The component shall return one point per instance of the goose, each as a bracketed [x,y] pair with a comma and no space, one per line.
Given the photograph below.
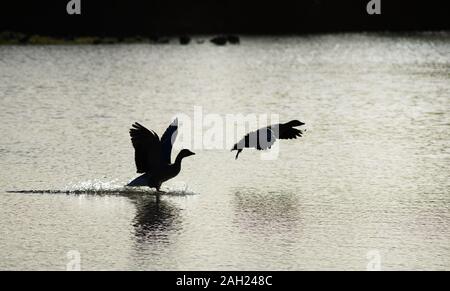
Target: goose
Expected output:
[264,138]
[152,155]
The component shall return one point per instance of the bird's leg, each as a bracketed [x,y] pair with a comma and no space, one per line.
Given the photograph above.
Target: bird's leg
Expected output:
[158,189]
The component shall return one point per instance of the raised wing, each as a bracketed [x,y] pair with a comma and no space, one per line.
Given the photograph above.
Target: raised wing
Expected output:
[167,140]
[147,149]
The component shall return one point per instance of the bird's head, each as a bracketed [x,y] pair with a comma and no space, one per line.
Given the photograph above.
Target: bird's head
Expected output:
[294,123]
[185,153]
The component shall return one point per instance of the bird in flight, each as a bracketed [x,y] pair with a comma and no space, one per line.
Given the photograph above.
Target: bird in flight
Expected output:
[264,138]
[152,155]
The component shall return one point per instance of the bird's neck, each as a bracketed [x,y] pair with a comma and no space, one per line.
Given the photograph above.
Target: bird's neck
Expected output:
[178,160]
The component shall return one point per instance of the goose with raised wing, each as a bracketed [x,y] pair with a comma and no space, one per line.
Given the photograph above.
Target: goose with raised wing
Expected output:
[152,155]
[264,138]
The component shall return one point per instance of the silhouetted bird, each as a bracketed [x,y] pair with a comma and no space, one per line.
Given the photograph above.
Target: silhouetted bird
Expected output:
[264,138]
[152,155]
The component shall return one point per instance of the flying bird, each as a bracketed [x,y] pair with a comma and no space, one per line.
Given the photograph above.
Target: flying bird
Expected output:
[152,155]
[264,138]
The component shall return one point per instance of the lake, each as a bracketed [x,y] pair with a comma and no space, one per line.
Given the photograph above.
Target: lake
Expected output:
[369,180]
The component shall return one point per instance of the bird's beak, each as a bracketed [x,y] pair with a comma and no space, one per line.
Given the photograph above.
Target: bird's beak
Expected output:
[192,154]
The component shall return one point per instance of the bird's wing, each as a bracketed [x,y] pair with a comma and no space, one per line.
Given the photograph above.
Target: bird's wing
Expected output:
[147,149]
[289,132]
[260,139]
[167,140]
[266,138]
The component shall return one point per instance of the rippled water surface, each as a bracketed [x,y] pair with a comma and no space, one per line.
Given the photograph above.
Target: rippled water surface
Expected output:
[370,176]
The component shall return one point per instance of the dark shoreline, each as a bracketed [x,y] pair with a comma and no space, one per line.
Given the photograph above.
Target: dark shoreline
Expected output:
[17,38]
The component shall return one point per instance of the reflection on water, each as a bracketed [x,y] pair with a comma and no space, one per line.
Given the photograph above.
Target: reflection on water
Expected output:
[155,217]
[268,212]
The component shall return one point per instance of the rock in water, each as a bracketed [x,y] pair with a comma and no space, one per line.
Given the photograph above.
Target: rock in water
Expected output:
[233,39]
[184,40]
[219,40]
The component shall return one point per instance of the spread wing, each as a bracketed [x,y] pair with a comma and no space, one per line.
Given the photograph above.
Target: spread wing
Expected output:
[147,149]
[167,140]
[284,131]
[290,133]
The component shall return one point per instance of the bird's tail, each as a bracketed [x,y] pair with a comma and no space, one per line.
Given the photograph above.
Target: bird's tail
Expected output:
[142,180]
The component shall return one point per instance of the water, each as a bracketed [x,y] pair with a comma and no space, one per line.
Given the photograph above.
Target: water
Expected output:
[370,175]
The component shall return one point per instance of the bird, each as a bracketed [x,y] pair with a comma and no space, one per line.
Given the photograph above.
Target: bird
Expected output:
[264,138]
[152,155]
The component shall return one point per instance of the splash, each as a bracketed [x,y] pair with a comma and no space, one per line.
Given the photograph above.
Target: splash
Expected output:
[180,188]
[114,187]
[95,186]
